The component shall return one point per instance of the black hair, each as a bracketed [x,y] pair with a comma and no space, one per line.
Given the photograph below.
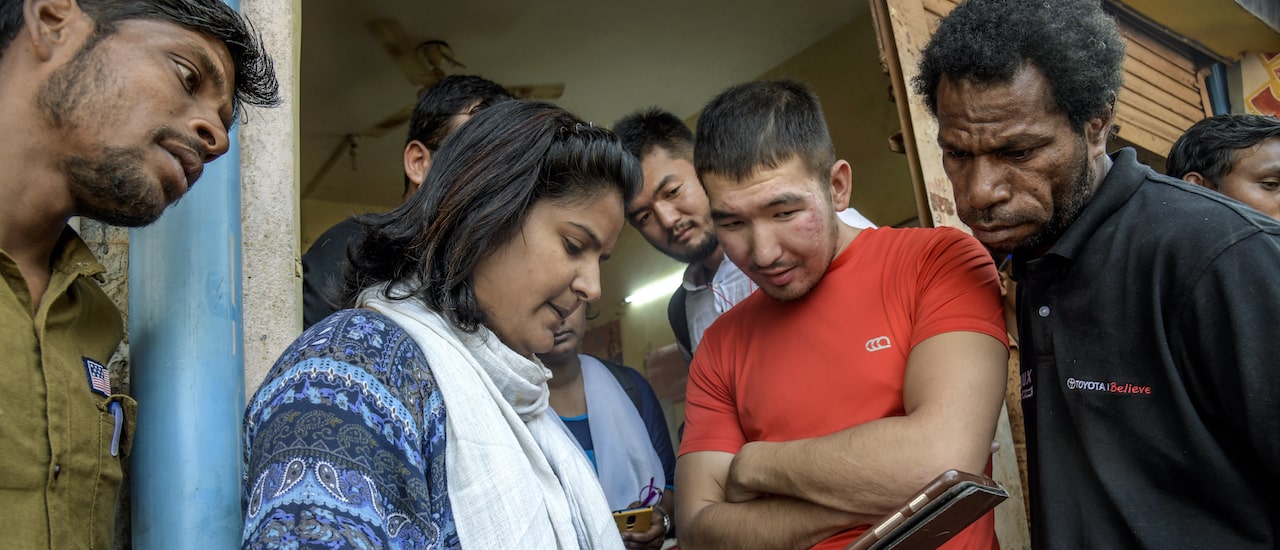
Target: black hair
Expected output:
[255,76]
[1073,43]
[642,131]
[437,105]
[763,124]
[485,178]
[11,19]
[452,95]
[1209,146]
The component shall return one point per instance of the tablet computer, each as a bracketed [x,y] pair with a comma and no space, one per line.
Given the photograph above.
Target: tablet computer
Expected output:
[938,512]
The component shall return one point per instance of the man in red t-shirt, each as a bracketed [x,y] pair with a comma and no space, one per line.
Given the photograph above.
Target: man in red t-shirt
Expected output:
[872,361]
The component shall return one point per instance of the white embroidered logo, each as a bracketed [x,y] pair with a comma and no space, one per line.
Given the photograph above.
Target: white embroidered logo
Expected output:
[877,344]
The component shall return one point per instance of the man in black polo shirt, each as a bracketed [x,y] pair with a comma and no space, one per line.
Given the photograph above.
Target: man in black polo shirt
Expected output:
[1147,307]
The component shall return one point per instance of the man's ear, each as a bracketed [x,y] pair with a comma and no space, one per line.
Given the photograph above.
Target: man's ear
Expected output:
[417,160]
[50,25]
[841,180]
[1199,179]
[1097,130]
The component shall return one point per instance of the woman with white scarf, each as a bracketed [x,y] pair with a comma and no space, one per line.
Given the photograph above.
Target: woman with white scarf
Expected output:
[420,418]
[622,431]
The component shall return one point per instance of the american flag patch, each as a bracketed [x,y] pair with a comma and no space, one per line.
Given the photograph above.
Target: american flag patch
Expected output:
[99,377]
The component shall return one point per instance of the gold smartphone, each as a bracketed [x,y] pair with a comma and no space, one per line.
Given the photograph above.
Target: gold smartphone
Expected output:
[633,520]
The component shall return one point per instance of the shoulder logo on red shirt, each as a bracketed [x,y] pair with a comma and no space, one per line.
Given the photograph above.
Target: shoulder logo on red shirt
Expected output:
[878,343]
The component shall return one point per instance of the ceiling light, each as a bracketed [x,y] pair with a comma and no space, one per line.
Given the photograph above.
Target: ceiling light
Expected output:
[661,288]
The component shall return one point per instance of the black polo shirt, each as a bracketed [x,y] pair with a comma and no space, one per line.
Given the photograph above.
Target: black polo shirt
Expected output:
[1150,337]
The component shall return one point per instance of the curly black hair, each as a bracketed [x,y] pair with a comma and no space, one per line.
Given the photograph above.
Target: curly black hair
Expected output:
[1209,146]
[1073,43]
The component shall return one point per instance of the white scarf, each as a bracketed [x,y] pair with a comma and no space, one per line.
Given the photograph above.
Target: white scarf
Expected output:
[516,477]
[624,452]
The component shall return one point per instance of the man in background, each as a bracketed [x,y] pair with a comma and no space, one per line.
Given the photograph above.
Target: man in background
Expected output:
[109,110]
[1146,306]
[616,418]
[1236,155]
[672,213]
[440,110]
[871,362]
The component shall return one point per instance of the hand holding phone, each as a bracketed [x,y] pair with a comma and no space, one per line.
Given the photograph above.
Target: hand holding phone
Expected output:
[633,520]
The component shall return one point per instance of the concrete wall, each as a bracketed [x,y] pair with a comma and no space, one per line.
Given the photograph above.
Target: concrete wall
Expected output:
[644,326]
[272,274]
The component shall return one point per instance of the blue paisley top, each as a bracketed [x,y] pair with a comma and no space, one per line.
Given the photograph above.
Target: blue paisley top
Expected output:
[345,443]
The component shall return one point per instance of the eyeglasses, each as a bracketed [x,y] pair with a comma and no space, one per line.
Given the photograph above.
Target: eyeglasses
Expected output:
[650,495]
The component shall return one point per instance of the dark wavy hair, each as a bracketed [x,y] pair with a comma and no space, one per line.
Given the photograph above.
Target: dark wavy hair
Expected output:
[483,181]
[763,124]
[1073,43]
[645,129]
[452,95]
[1209,146]
[255,74]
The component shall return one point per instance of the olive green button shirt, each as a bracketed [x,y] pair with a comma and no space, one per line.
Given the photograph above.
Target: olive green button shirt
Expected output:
[59,482]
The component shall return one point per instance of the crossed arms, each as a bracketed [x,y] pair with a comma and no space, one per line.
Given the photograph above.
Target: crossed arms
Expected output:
[796,493]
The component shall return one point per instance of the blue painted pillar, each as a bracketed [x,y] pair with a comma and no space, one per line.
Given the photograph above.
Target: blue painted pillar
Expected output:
[1219,97]
[187,360]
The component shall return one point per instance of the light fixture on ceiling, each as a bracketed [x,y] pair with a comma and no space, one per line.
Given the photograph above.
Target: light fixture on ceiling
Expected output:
[661,288]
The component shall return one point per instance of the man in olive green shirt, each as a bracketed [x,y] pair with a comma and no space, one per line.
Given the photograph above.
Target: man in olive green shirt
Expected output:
[60,475]
[109,110]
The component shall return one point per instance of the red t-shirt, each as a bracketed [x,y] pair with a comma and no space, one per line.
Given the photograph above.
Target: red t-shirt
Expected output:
[836,357]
